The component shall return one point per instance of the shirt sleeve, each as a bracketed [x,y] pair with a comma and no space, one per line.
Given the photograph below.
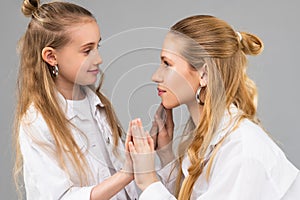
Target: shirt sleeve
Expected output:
[294,191]
[244,178]
[156,191]
[43,177]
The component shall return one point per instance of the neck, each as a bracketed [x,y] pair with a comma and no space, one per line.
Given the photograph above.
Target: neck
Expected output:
[195,111]
[70,92]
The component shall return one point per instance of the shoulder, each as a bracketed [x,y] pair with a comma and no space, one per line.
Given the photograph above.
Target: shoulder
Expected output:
[34,127]
[250,147]
[256,143]
[250,141]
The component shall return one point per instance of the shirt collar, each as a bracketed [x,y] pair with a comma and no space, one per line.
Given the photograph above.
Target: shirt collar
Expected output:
[70,111]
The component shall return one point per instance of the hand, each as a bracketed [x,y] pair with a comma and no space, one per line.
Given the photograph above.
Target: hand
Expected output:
[128,166]
[162,133]
[162,128]
[142,153]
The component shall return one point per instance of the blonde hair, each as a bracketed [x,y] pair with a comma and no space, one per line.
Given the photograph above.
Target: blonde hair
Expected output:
[49,26]
[211,41]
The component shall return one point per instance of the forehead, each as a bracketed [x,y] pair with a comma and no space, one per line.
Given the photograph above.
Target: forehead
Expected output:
[86,32]
[172,47]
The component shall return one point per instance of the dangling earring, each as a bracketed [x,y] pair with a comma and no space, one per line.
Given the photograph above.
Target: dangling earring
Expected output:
[55,71]
[198,96]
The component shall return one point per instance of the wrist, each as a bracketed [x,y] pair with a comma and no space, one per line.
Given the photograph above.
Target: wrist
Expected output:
[151,178]
[126,175]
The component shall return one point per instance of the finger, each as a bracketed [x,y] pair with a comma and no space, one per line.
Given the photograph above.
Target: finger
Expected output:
[136,136]
[153,132]
[150,142]
[169,115]
[159,110]
[140,132]
[132,149]
[143,135]
[169,122]
[128,137]
[139,122]
[154,128]
[140,138]
[161,126]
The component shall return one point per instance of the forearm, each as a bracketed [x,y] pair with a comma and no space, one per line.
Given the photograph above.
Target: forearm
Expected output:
[111,186]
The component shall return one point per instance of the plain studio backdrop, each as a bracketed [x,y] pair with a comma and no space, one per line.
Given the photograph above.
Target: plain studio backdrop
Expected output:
[132,34]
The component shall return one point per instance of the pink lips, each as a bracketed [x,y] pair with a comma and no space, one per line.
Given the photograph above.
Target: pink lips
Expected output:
[95,71]
[160,91]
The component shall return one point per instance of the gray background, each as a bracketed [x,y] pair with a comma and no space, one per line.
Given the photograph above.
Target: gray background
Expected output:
[131,54]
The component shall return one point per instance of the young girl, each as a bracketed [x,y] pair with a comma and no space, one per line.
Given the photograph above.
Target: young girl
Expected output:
[228,154]
[67,134]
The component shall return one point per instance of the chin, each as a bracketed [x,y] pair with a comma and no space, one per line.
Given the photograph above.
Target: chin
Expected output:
[169,105]
[91,82]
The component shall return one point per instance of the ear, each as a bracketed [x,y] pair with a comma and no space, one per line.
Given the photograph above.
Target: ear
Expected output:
[49,56]
[203,75]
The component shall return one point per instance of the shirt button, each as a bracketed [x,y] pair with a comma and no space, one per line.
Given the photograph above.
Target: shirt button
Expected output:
[108,141]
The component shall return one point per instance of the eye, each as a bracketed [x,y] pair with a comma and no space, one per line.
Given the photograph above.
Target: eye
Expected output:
[98,46]
[166,63]
[87,51]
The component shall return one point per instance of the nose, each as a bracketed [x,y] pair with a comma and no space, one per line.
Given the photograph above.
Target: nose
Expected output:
[157,75]
[98,59]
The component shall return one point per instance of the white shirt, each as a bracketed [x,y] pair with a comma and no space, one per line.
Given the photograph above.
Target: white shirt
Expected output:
[86,123]
[248,166]
[44,178]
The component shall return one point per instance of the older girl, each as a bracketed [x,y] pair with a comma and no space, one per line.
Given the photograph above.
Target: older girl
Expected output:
[227,154]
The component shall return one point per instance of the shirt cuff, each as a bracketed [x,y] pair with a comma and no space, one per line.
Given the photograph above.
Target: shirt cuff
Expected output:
[156,191]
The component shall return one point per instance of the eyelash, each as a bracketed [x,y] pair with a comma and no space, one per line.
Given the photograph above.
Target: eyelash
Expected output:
[166,63]
[89,50]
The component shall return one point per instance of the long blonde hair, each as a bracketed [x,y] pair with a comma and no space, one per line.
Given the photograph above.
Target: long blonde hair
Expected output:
[213,42]
[49,26]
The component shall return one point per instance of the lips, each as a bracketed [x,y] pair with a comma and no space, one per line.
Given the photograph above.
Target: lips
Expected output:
[94,71]
[160,91]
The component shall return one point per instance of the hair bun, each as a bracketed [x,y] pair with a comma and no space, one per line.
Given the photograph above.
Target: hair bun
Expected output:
[251,44]
[29,6]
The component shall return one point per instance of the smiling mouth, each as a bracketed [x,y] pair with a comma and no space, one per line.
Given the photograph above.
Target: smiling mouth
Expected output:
[95,71]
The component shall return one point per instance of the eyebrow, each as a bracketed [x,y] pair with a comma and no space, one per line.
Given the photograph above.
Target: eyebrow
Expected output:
[90,43]
[165,58]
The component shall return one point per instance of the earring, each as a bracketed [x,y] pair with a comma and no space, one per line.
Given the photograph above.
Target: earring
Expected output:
[55,71]
[198,96]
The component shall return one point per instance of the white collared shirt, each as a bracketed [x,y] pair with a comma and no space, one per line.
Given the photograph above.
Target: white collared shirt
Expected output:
[44,178]
[248,166]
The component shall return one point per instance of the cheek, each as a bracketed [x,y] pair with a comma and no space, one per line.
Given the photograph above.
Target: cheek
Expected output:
[70,68]
[180,86]
[170,100]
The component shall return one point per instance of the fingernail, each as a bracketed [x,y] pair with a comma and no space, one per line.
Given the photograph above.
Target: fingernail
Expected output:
[139,122]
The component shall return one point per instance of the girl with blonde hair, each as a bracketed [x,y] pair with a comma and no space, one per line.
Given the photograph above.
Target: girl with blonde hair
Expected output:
[225,153]
[67,136]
